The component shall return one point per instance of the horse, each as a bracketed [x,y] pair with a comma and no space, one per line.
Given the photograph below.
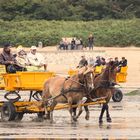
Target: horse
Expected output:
[103,87]
[67,90]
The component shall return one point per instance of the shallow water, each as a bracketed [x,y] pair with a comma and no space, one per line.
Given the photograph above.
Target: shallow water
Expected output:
[125,124]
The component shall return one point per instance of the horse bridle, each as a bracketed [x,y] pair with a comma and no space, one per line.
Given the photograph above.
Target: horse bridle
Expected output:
[85,80]
[106,83]
[83,84]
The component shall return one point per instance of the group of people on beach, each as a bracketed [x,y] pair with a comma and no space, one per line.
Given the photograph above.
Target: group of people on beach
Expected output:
[22,61]
[75,43]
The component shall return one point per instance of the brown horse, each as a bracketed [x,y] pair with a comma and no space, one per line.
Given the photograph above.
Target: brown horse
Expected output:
[67,90]
[104,87]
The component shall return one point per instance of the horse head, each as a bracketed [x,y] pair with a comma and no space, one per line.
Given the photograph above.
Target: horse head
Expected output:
[112,69]
[86,77]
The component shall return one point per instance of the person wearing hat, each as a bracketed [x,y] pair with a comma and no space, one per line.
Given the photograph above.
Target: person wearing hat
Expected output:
[36,59]
[8,59]
[21,58]
[83,62]
[98,61]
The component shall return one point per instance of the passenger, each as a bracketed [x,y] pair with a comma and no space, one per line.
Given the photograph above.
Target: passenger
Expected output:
[98,61]
[91,62]
[36,59]
[103,62]
[109,59]
[83,62]
[8,59]
[123,62]
[22,57]
[116,61]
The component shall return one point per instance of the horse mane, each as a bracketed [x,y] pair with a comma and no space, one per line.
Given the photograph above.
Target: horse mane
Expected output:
[103,79]
[75,76]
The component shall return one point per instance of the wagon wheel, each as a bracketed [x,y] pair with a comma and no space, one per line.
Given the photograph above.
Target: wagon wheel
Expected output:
[19,116]
[8,111]
[117,96]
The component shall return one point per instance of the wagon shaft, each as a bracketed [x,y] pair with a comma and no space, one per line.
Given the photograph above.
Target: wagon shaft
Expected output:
[34,107]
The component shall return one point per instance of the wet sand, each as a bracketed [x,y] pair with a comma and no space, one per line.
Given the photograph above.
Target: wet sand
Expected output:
[125,124]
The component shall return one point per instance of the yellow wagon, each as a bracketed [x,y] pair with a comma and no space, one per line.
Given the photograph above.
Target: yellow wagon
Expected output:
[14,109]
[120,77]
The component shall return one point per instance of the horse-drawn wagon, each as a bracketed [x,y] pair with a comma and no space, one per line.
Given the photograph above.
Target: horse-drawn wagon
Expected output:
[13,108]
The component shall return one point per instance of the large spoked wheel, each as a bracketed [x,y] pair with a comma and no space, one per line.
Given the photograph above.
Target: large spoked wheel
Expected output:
[8,111]
[117,96]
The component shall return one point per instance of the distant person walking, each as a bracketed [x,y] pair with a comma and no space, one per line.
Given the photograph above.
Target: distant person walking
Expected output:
[90,42]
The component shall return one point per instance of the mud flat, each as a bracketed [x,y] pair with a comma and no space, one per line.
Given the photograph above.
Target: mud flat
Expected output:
[125,124]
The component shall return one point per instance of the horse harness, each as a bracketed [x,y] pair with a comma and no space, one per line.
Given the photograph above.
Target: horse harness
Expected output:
[63,93]
[104,84]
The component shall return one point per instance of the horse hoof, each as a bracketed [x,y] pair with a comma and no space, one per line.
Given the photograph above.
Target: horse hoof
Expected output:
[100,121]
[74,119]
[87,117]
[38,119]
[109,120]
[46,118]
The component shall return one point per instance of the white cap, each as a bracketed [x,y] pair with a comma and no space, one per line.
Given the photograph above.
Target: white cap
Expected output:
[19,48]
[33,48]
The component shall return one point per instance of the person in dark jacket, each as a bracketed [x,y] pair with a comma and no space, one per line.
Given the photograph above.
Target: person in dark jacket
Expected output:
[116,61]
[90,42]
[123,62]
[103,61]
[98,61]
[83,62]
[8,59]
